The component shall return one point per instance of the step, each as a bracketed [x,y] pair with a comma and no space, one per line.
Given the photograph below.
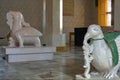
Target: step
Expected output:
[18,54]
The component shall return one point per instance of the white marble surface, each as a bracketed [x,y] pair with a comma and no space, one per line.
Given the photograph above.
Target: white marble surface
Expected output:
[29,53]
[95,77]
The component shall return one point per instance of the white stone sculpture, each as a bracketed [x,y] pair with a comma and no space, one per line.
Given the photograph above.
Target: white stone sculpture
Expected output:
[99,54]
[21,32]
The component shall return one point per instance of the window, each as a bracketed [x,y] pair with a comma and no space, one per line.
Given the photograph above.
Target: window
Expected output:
[105,12]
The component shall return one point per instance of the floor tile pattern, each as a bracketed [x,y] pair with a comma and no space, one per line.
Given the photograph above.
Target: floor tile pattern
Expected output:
[64,66]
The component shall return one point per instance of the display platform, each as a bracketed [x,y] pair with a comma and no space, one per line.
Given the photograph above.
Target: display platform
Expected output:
[28,53]
[94,76]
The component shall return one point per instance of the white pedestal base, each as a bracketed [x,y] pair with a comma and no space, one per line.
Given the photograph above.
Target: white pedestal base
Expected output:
[29,53]
[95,77]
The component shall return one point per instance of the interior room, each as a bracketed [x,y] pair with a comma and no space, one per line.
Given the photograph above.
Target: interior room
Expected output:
[63,24]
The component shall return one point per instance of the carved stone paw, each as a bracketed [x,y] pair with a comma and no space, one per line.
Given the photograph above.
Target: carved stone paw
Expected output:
[87,76]
[110,75]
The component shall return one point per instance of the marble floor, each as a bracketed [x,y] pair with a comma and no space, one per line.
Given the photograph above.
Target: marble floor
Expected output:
[64,66]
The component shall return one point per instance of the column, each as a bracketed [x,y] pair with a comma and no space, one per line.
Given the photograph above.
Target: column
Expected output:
[58,37]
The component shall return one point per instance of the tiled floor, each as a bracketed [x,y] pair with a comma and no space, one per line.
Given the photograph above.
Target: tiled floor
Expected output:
[64,66]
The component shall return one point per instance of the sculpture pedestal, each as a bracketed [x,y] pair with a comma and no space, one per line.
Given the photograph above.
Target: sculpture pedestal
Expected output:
[95,76]
[29,53]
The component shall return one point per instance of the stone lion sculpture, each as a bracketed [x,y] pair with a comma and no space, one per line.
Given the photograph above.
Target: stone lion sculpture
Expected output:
[21,32]
[103,52]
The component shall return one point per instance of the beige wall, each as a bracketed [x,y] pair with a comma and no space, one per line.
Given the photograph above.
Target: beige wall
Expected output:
[117,15]
[85,13]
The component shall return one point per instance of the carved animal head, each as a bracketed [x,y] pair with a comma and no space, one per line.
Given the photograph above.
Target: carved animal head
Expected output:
[94,31]
[13,17]
[9,19]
